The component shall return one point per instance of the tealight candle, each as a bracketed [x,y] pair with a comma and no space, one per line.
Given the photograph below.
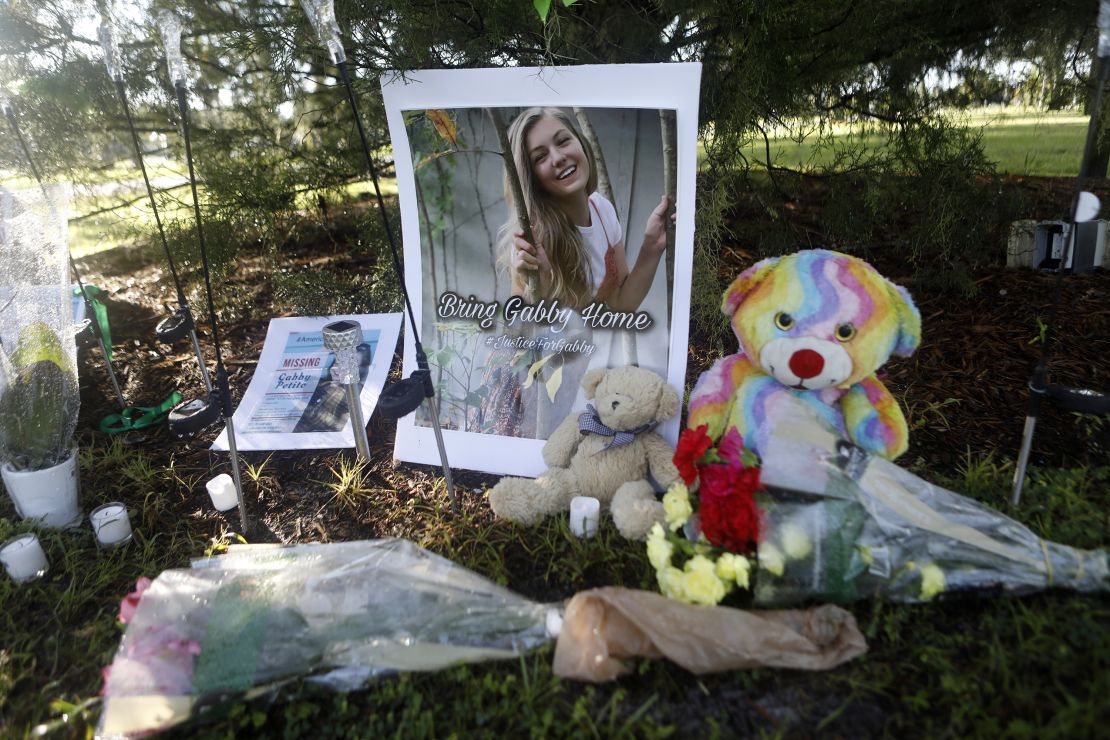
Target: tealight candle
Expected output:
[221,490]
[111,524]
[584,513]
[23,558]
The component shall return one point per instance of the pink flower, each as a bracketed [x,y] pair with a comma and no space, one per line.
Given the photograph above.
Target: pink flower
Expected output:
[153,659]
[731,447]
[130,602]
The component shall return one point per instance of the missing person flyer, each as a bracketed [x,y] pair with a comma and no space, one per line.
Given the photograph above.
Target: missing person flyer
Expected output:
[293,402]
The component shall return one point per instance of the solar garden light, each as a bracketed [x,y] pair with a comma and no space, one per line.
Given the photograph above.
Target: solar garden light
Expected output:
[405,396]
[194,415]
[94,325]
[180,323]
[343,338]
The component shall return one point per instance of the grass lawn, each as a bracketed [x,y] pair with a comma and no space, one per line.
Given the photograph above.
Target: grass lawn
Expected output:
[998,666]
[1019,143]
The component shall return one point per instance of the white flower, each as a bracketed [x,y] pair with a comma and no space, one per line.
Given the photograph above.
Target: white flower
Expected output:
[700,583]
[733,567]
[659,550]
[795,542]
[932,581]
[676,505]
[770,559]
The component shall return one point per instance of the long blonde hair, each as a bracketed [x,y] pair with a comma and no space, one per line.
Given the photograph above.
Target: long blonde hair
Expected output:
[571,278]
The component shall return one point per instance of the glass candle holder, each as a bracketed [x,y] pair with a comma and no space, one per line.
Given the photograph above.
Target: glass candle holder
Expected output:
[111,524]
[23,558]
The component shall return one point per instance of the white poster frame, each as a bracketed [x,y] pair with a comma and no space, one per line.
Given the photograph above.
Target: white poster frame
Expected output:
[633,86]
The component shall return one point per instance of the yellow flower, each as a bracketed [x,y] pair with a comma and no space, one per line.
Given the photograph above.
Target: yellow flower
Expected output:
[659,550]
[676,505]
[700,583]
[732,567]
[865,554]
[770,559]
[932,581]
[671,583]
[795,542]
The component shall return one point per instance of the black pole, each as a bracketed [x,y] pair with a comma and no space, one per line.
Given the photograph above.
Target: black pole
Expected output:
[182,301]
[183,107]
[344,76]
[421,358]
[150,192]
[223,386]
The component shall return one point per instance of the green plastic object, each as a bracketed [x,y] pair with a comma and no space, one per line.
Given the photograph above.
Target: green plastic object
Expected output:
[139,417]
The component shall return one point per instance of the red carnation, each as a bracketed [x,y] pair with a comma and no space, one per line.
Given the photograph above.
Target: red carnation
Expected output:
[692,445]
[726,507]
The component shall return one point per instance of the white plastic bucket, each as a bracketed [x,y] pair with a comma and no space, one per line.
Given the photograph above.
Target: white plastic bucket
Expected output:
[49,495]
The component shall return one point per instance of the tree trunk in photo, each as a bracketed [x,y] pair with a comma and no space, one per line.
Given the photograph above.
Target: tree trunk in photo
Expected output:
[525,226]
[518,191]
[474,121]
[431,262]
[423,202]
[605,187]
[670,187]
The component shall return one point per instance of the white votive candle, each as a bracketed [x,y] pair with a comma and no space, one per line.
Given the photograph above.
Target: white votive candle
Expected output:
[111,524]
[23,558]
[221,490]
[584,512]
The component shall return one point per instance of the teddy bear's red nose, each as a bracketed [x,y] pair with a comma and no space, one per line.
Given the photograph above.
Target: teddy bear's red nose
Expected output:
[806,363]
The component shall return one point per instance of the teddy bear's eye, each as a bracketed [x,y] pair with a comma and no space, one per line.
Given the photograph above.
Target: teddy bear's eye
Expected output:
[845,332]
[784,321]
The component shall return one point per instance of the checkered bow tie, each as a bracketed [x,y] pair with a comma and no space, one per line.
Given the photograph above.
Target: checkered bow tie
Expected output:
[590,423]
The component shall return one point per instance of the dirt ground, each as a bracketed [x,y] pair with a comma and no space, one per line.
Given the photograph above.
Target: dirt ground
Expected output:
[964,391]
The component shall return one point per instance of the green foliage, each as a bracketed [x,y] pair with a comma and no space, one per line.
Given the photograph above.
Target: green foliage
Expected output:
[38,407]
[321,292]
[543,7]
[715,192]
[931,195]
[351,485]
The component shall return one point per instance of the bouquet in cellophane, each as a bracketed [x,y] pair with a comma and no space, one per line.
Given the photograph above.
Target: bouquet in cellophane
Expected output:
[821,520]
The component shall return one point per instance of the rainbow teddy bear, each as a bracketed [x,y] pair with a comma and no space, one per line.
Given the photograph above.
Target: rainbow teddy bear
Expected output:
[813,328]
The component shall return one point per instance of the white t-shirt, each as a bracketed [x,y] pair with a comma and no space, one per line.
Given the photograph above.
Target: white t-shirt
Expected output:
[593,236]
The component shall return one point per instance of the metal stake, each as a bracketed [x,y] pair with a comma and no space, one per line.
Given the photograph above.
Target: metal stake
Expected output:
[222,384]
[421,357]
[181,300]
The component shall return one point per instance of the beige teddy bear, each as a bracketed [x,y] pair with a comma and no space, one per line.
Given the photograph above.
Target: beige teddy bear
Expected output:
[609,453]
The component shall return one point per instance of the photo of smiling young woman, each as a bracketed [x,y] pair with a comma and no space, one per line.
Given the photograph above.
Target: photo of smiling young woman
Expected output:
[578,252]
[509,360]
[578,159]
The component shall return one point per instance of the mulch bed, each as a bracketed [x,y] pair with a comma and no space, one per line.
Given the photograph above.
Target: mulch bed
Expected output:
[965,390]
